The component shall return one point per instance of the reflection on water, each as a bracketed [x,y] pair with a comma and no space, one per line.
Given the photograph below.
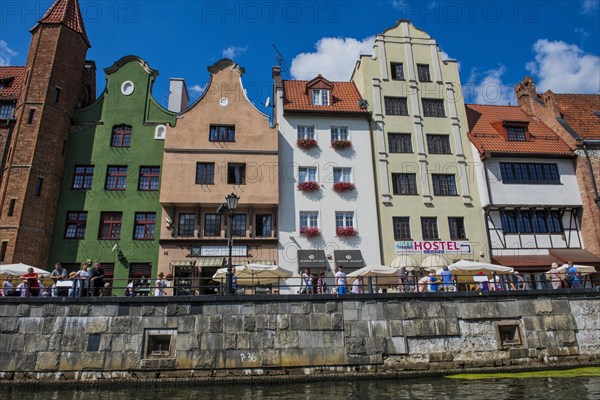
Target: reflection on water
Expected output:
[427,388]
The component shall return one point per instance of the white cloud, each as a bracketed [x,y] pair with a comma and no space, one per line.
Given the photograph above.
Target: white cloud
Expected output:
[334,58]
[564,68]
[6,54]
[197,89]
[233,51]
[589,6]
[489,87]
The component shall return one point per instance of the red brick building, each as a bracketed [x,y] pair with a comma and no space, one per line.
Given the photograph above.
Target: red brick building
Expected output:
[37,103]
[576,119]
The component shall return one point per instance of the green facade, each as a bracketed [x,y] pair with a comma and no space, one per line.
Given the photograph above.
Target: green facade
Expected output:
[90,143]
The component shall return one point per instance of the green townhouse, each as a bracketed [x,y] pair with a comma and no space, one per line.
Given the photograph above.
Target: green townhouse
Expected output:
[428,204]
[108,209]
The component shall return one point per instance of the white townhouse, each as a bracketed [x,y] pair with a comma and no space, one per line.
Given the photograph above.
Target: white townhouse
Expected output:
[327,208]
[528,189]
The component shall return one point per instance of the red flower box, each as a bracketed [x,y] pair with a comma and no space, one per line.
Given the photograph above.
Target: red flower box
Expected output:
[306,144]
[310,231]
[343,187]
[347,231]
[308,186]
[341,144]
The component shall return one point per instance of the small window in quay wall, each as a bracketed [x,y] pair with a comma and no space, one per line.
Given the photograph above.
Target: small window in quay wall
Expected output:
[160,343]
[508,334]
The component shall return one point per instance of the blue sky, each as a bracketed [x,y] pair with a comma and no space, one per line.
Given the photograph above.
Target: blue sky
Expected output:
[496,42]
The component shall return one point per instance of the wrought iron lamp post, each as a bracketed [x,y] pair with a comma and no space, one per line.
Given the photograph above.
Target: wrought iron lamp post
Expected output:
[232,202]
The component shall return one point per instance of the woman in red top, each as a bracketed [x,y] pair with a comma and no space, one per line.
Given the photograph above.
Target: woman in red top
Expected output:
[32,280]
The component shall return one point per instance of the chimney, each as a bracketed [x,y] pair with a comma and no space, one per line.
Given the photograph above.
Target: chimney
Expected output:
[526,94]
[178,95]
[276,74]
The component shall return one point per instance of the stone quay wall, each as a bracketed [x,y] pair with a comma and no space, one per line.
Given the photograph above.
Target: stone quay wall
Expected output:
[270,337]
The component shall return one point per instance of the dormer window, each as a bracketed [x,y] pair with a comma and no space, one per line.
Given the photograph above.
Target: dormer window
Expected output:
[516,133]
[320,97]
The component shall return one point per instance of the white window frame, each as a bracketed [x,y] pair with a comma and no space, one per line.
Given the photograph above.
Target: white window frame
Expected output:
[320,97]
[308,173]
[312,219]
[345,220]
[305,132]
[345,174]
[338,134]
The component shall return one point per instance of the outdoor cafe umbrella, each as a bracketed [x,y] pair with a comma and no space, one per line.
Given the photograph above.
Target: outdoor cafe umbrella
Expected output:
[20,269]
[582,269]
[405,261]
[466,267]
[380,274]
[432,262]
[258,274]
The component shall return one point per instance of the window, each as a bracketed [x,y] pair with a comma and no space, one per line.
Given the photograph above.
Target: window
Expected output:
[139,270]
[83,177]
[400,143]
[110,225]
[38,186]
[397,71]
[423,72]
[307,174]
[444,185]
[396,106]
[56,95]
[75,225]
[31,116]
[149,178]
[529,173]
[212,225]
[144,226]
[205,173]
[309,219]
[531,221]
[11,207]
[339,133]
[116,177]
[429,228]
[457,228]
[320,97]
[344,219]
[404,184]
[238,225]
[7,110]
[121,136]
[433,108]
[187,222]
[263,225]
[438,144]
[236,174]
[401,228]
[342,175]
[222,133]
[516,133]
[3,250]
[306,132]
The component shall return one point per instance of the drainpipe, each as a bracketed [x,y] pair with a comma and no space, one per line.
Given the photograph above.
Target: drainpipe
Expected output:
[589,162]
[488,207]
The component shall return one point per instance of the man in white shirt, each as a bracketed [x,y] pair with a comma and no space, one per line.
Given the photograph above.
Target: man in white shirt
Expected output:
[357,285]
[341,280]
[159,286]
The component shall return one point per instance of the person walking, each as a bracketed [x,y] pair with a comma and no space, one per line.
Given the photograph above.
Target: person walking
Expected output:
[554,277]
[447,280]
[97,279]
[357,285]
[159,286]
[576,277]
[84,280]
[340,276]
[306,286]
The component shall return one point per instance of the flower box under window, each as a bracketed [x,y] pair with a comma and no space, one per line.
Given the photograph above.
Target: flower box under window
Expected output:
[310,231]
[343,187]
[345,231]
[341,144]
[306,144]
[308,186]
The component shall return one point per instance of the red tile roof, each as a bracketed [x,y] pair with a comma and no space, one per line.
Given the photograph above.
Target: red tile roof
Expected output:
[486,137]
[578,112]
[344,98]
[12,78]
[67,13]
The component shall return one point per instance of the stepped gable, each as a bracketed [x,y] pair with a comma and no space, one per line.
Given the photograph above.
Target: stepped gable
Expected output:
[484,132]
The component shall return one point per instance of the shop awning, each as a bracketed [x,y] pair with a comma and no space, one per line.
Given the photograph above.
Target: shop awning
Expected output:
[351,260]
[210,262]
[313,259]
[183,263]
[578,256]
[520,260]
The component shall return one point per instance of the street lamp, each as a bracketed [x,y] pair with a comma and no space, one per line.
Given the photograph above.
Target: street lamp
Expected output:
[232,202]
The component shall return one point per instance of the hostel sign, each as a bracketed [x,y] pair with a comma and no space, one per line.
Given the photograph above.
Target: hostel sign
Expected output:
[432,247]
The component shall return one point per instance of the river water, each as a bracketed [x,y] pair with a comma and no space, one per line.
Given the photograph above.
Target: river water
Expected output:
[423,389]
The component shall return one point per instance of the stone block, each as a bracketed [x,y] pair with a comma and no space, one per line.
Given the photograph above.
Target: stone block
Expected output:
[441,357]
[310,339]
[479,310]
[542,307]
[211,341]
[312,357]
[249,323]
[375,345]
[186,324]
[352,315]
[299,322]
[318,308]
[214,324]
[560,306]
[120,325]
[378,328]
[566,338]
[270,358]
[395,345]
[9,325]
[47,361]
[566,322]
[518,353]
[320,322]
[333,339]
[31,325]
[52,325]
[243,340]
[510,309]
[395,328]
[358,329]
[106,310]
[187,341]
[372,310]
[356,345]
[393,310]
[233,323]
[337,321]
[70,361]
[248,309]
[548,323]
[272,308]
[97,325]
[359,359]
[22,310]
[331,307]
[533,324]
[289,339]
[35,343]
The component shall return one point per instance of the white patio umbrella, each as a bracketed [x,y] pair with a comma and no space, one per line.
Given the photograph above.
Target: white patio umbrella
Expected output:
[381,274]
[432,262]
[582,269]
[467,267]
[258,274]
[20,269]
[405,261]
